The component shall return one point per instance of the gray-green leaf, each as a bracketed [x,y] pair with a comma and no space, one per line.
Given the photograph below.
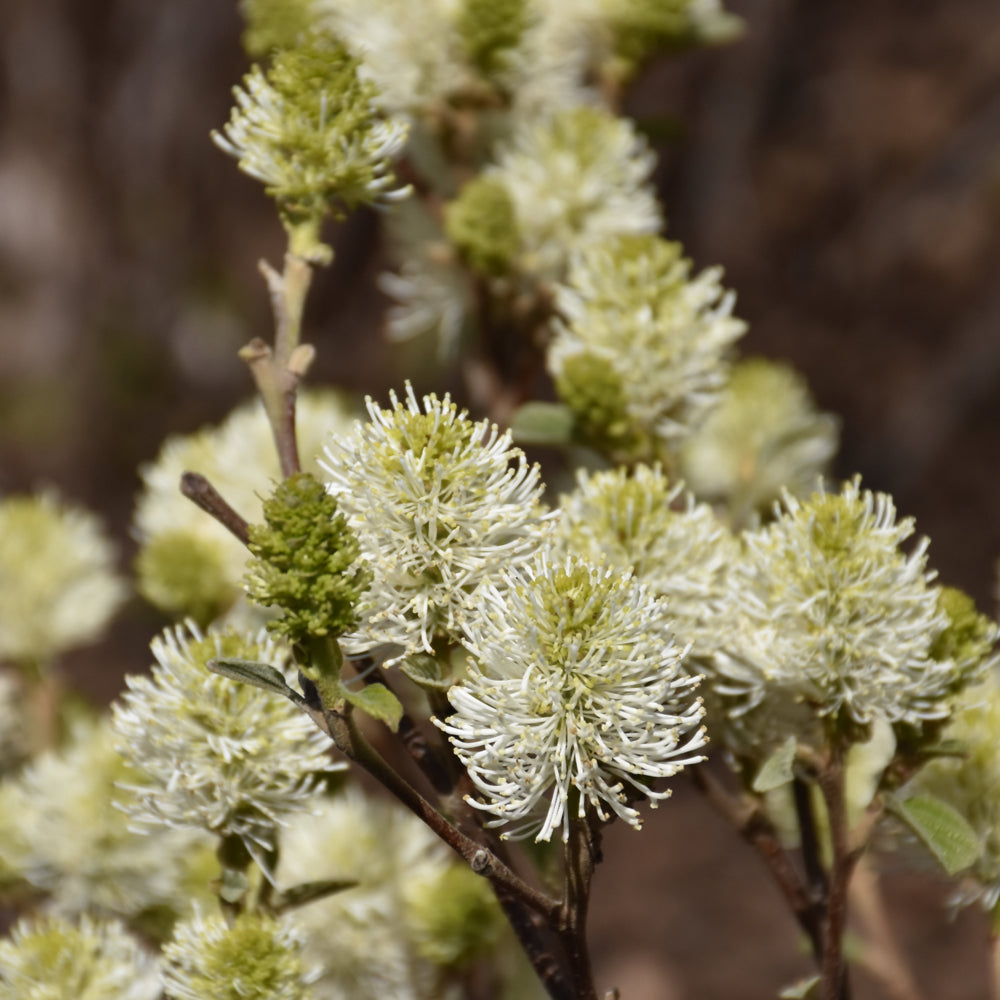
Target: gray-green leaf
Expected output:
[543,423]
[261,675]
[944,830]
[777,769]
[378,702]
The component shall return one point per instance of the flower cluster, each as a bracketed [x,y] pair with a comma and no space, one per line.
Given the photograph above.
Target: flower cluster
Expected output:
[440,505]
[188,563]
[52,958]
[640,522]
[577,698]
[58,584]
[764,436]
[829,611]
[575,180]
[61,831]
[372,941]
[309,130]
[213,754]
[257,957]
[641,351]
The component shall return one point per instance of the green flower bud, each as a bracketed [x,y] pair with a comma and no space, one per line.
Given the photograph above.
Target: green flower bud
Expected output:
[185,574]
[274,24]
[482,224]
[593,391]
[305,562]
[490,29]
[967,640]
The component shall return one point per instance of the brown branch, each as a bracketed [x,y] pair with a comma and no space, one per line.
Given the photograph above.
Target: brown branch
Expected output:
[199,490]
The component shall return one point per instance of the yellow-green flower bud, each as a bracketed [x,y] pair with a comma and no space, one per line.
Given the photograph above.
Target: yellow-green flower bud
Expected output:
[306,562]
[482,224]
[489,30]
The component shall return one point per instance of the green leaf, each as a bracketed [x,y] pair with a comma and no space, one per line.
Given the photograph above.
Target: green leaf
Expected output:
[261,675]
[543,423]
[776,771]
[800,989]
[309,892]
[943,829]
[378,702]
[427,671]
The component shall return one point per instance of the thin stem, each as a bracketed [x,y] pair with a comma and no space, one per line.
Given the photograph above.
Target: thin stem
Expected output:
[816,880]
[758,831]
[339,725]
[581,857]
[833,971]
[199,490]
[277,371]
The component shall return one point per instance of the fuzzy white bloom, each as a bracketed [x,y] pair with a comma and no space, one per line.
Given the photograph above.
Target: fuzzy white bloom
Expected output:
[639,522]
[765,435]
[257,957]
[308,128]
[831,614]
[58,584]
[440,505]
[62,832]
[409,49]
[189,563]
[577,698]
[51,959]
[576,179]
[631,305]
[214,754]
[361,938]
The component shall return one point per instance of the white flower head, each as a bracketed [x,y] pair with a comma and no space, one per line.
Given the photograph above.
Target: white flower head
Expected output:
[830,612]
[440,504]
[410,49]
[214,754]
[257,957]
[764,436]
[51,959]
[360,938]
[642,523]
[61,830]
[309,129]
[58,584]
[577,700]
[631,312]
[189,564]
[576,179]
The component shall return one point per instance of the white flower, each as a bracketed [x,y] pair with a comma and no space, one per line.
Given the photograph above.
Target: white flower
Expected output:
[214,754]
[189,563]
[764,436]
[577,699]
[576,179]
[639,522]
[61,831]
[440,505]
[410,49]
[830,613]
[360,938]
[257,957]
[51,959]
[631,306]
[58,584]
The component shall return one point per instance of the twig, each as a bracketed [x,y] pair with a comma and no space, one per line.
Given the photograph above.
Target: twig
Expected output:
[198,489]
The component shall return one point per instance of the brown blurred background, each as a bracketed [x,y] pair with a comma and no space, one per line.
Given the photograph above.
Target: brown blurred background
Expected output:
[842,162]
